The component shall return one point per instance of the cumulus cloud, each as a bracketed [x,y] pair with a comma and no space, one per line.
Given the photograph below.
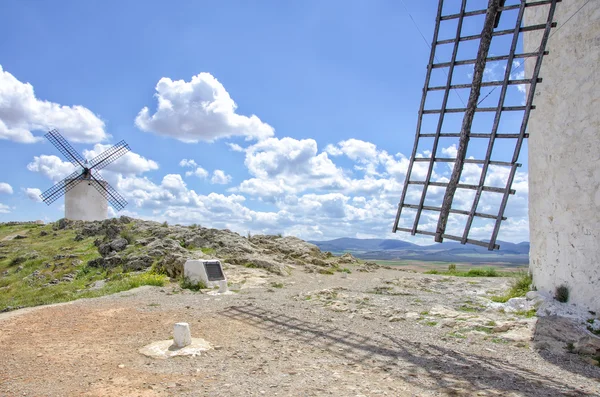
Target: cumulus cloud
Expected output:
[5,188]
[187,163]
[33,194]
[21,113]
[220,178]
[4,209]
[198,110]
[199,172]
[130,163]
[51,167]
[173,183]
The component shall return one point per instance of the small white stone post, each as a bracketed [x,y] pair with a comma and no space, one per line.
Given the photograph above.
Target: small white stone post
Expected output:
[181,335]
[223,286]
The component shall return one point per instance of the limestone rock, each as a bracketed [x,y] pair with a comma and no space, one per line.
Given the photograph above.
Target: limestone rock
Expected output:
[119,244]
[589,344]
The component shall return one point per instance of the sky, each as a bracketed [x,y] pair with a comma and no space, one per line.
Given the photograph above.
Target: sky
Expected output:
[273,117]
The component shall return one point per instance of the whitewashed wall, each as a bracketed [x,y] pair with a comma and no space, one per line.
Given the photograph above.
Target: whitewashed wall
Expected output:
[564,154]
[85,203]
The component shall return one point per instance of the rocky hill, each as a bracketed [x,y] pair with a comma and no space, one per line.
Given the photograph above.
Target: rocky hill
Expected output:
[67,260]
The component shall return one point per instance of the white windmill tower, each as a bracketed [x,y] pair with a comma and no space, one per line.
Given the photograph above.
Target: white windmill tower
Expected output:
[87,194]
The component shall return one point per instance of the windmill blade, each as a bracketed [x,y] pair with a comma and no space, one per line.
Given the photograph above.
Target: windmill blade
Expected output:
[107,191]
[63,146]
[56,191]
[110,155]
[412,206]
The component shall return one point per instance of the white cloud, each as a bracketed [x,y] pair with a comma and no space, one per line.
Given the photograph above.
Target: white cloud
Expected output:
[173,183]
[51,167]
[21,113]
[129,163]
[4,209]
[294,160]
[187,163]
[199,172]
[235,147]
[34,194]
[199,110]
[5,188]
[220,178]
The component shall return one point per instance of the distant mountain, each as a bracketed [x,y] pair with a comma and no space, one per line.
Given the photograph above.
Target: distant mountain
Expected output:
[388,249]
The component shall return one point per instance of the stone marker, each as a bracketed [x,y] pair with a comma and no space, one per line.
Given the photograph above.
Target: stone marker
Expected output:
[223,286]
[181,335]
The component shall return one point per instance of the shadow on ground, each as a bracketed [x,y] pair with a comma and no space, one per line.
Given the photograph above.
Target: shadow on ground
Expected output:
[421,364]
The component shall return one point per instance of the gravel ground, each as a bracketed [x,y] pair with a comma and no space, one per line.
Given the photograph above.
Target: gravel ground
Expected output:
[382,333]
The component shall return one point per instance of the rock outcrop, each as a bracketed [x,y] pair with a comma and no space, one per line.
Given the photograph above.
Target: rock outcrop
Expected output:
[137,245]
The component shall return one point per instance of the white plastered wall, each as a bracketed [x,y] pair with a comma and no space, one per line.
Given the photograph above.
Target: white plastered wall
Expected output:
[85,203]
[564,154]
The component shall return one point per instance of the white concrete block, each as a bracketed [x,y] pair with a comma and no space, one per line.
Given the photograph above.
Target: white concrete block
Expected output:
[181,335]
[196,270]
[223,286]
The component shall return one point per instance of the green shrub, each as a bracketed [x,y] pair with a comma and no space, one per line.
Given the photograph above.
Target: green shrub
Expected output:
[452,268]
[276,285]
[562,293]
[250,265]
[519,287]
[165,224]
[186,283]
[207,250]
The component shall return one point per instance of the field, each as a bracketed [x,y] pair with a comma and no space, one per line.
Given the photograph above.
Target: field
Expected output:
[423,266]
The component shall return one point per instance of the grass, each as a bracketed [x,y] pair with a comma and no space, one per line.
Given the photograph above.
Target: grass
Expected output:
[40,260]
[208,251]
[431,323]
[526,313]
[250,265]
[482,328]
[591,329]
[475,272]
[276,285]
[519,288]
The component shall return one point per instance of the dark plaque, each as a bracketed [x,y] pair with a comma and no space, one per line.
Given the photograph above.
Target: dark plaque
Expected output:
[214,271]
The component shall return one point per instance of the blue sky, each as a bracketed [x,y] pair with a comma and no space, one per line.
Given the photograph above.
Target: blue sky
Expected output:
[292,117]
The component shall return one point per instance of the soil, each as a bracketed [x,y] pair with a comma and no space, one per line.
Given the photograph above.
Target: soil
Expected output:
[380,333]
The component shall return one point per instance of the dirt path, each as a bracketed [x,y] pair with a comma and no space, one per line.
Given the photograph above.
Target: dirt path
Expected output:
[385,333]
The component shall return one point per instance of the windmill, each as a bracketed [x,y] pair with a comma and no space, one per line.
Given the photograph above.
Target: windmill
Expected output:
[423,191]
[89,200]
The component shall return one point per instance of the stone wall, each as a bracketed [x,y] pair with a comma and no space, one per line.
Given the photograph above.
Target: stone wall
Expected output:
[564,154]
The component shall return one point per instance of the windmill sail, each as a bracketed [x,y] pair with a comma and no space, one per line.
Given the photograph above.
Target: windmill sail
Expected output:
[503,24]
[87,171]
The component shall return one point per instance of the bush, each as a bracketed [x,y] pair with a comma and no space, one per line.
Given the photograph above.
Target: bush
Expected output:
[562,293]
[186,283]
[452,268]
[518,288]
